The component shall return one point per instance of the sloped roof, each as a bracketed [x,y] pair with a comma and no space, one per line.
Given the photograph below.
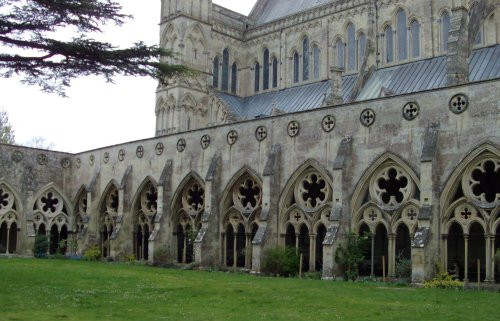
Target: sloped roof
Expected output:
[268,10]
[402,79]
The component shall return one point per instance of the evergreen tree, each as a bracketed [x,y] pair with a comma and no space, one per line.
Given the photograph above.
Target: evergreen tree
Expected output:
[29,46]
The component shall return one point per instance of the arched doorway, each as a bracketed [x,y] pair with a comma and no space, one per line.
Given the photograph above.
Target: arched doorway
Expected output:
[476,252]
[53,240]
[456,249]
[229,245]
[3,237]
[320,237]
[380,254]
[12,245]
[290,236]
[240,246]
[304,246]
[403,243]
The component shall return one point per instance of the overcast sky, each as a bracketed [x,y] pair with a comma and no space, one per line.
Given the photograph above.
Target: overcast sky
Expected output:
[96,114]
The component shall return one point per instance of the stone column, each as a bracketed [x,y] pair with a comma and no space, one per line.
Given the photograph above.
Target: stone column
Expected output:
[488,277]
[372,262]
[391,259]
[312,252]
[466,255]
[445,252]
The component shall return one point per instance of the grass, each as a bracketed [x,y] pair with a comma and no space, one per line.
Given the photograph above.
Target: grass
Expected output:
[74,290]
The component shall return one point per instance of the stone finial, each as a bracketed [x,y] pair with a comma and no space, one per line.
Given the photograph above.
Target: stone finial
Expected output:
[335,97]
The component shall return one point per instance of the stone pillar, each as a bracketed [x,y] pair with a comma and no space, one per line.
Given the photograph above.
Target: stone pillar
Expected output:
[466,258]
[391,260]
[312,252]
[372,261]
[489,276]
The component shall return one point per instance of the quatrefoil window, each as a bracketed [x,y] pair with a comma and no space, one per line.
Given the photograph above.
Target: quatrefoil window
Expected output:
[391,186]
[49,203]
[367,117]
[195,198]
[411,111]
[459,103]
[312,191]
[248,194]
[484,181]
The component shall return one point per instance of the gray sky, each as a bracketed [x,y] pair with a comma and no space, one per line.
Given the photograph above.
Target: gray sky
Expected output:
[96,114]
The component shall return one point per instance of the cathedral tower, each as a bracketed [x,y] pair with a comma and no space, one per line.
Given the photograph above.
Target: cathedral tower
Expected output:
[185,29]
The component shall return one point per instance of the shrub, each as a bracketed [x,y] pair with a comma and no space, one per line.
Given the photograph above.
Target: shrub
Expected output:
[41,246]
[281,261]
[162,257]
[351,255]
[93,253]
[444,281]
[403,267]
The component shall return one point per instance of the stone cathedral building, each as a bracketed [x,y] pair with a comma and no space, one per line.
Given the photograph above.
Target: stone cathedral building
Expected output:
[307,119]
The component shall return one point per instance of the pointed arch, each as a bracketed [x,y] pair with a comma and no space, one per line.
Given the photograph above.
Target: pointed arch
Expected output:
[339,53]
[225,70]
[242,172]
[351,46]
[265,69]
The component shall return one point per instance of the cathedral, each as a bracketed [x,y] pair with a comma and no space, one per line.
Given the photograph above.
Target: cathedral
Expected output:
[305,121]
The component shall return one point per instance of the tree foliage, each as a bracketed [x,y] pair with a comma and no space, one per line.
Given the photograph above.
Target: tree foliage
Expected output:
[6,131]
[30,47]
[351,255]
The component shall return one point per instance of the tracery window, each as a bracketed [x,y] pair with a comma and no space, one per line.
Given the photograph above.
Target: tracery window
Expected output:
[9,221]
[305,59]
[275,73]
[402,35]
[145,210]
[386,204]
[215,73]
[471,214]
[351,47]
[225,70]
[304,212]
[51,211]
[445,30]
[265,67]
[257,77]
[188,208]
[241,209]
[234,78]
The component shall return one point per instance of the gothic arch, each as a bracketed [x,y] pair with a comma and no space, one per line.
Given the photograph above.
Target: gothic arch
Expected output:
[144,209]
[107,216]
[56,211]
[169,36]
[10,218]
[240,207]
[305,203]
[470,201]
[187,207]
[80,208]
[197,30]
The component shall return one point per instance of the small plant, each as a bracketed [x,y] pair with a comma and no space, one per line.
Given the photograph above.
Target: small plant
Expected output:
[403,267]
[444,281]
[351,255]
[281,261]
[162,257]
[93,253]
[41,246]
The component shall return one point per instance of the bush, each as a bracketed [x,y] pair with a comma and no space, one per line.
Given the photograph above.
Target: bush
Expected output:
[403,267]
[41,246]
[162,257]
[444,281]
[281,261]
[93,253]
[351,256]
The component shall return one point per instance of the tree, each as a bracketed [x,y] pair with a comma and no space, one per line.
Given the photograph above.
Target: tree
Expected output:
[351,255]
[31,50]
[40,143]
[6,131]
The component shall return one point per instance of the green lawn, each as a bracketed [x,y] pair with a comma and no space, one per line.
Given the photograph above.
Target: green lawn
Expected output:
[38,290]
